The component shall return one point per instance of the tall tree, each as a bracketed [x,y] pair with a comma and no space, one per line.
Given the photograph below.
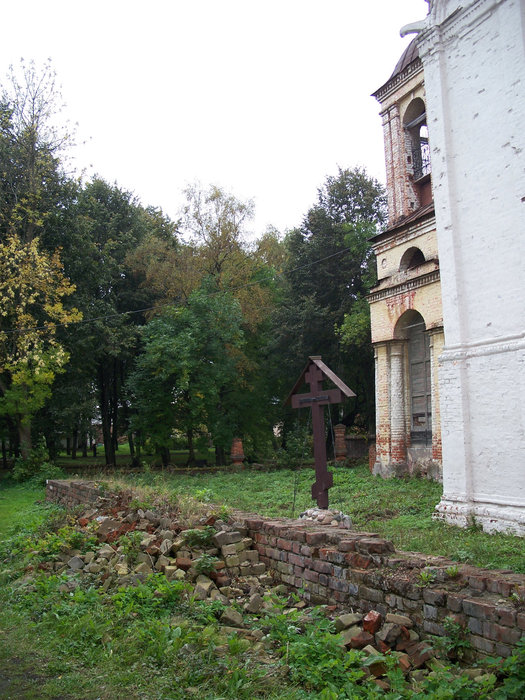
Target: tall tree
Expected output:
[187,374]
[34,287]
[329,270]
[110,224]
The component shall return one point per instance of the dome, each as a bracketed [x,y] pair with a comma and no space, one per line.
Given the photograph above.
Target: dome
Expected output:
[409,55]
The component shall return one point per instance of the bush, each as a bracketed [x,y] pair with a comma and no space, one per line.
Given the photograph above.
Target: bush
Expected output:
[36,468]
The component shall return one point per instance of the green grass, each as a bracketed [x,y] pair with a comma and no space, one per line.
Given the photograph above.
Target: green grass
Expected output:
[123,458]
[153,642]
[16,507]
[399,509]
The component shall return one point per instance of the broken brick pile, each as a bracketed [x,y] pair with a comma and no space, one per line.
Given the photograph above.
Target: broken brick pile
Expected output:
[362,571]
[356,571]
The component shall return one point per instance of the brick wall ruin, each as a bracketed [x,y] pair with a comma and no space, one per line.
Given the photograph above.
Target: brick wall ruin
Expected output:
[362,571]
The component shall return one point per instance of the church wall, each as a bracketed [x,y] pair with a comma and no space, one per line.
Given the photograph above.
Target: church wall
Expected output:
[386,312]
[389,256]
[402,195]
[474,63]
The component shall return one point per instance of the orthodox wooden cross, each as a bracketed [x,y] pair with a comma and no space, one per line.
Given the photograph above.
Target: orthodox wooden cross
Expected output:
[314,374]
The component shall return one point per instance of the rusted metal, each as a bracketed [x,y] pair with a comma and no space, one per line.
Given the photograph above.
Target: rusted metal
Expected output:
[314,374]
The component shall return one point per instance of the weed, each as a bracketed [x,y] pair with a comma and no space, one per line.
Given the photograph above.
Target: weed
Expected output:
[237,645]
[205,564]
[205,495]
[454,645]
[190,509]
[425,578]
[130,545]
[452,571]
[199,537]
[137,504]
[517,598]
[156,597]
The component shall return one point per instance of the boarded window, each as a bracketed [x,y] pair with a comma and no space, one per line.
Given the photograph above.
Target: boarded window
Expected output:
[420,386]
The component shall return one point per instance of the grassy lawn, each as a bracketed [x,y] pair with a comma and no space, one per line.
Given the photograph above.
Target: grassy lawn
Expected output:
[398,509]
[153,642]
[123,459]
[16,507]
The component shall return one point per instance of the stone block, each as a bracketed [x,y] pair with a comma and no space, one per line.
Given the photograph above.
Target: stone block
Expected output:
[361,640]
[477,608]
[348,634]
[402,620]
[76,563]
[316,538]
[373,594]
[481,644]
[232,561]
[434,597]
[226,537]
[232,617]
[348,620]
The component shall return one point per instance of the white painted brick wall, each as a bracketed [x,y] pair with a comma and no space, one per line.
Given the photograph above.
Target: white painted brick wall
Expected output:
[474,64]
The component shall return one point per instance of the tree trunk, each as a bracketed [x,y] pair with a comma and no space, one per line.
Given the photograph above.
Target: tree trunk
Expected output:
[165,456]
[131,444]
[68,446]
[51,446]
[14,439]
[24,433]
[74,444]
[220,459]
[114,404]
[4,455]
[191,448]
[105,415]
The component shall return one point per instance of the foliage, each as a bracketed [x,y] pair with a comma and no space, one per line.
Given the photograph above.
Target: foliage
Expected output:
[329,269]
[31,466]
[32,288]
[426,577]
[454,645]
[156,597]
[201,537]
[317,660]
[205,564]
[297,448]
[130,545]
[193,355]
[33,285]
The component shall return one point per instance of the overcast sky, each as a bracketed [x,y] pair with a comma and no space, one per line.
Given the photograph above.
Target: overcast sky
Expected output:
[262,97]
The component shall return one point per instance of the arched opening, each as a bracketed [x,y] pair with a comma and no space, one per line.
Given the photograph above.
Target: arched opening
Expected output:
[415,124]
[411,327]
[411,258]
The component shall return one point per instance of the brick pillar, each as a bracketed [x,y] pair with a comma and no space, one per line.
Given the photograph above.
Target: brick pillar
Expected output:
[437,341]
[382,373]
[397,405]
[237,452]
[340,442]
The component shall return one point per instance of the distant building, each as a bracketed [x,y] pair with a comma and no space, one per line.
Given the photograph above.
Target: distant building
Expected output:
[473,56]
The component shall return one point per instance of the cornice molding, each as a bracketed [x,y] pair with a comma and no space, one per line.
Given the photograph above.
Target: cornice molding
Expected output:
[407,286]
[398,80]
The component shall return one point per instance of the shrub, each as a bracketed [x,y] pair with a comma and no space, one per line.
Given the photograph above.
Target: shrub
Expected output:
[36,468]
